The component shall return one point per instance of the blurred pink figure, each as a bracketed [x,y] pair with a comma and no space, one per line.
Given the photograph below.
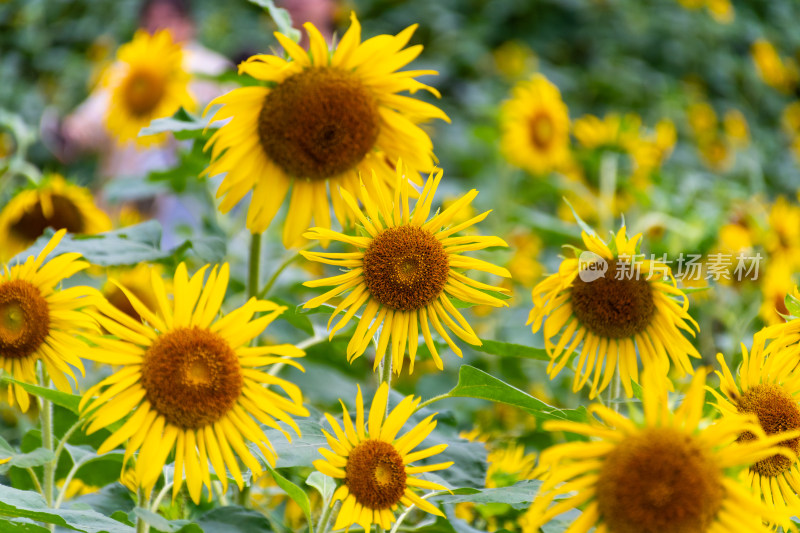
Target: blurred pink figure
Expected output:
[318,12]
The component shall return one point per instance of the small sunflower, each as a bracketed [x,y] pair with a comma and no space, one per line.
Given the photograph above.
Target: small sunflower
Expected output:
[670,473]
[191,382]
[137,280]
[147,82]
[769,388]
[535,125]
[53,203]
[40,322]
[325,118]
[405,271]
[627,308]
[375,464]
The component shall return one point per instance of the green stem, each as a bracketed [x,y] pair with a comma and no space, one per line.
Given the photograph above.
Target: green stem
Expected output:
[46,417]
[283,266]
[65,438]
[143,502]
[325,517]
[35,479]
[253,269]
[426,403]
[244,495]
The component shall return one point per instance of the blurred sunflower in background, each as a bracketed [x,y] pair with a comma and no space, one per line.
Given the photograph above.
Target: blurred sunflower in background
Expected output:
[406,271]
[535,126]
[147,82]
[375,464]
[137,281]
[53,203]
[615,306]
[769,388]
[190,383]
[669,472]
[325,120]
[38,322]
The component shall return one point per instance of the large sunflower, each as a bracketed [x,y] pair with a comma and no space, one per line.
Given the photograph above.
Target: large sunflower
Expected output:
[53,203]
[535,125]
[405,271]
[147,82]
[375,464]
[670,473]
[191,382]
[627,308]
[40,322]
[768,387]
[324,118]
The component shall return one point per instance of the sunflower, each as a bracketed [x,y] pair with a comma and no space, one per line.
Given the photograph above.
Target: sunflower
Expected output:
[627,308]
[535,126]
[53,203]
[669,473]
[147,82]
[768,387]
[191,382]
[137,280]
[38,322]
[324,118]
[405,271]
[375,464]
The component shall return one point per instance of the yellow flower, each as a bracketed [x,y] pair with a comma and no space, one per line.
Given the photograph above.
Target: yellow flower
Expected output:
[524,264]
[405,271]
[628,308]
[325,120]
[670,472]
[375,464]
[147,82]
[777,281]
[612,131]
[702,120]
[721,10]
[783,236]
[535,126]
[513,59]
[191,383]
[53,203]
[508,465]
[136,280]
[736,127]
[769,388]
[40,322]
[771,68]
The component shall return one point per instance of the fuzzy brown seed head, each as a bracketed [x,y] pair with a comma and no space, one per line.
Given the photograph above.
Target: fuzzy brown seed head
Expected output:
[33,222]
[541,130]
[143,90]
[318,123]
[405,268]
[659,481]
[777,412]
[375,474]
[613,306]
[24,319]
[192,377]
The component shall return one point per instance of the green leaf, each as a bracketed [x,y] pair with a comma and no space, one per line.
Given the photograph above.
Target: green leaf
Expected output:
[229,519]
[159,522]
[507,349]
[296,493]
[182,125]
[21,525]
[474,383]
[281,17]
[792,304]
[325,485]
[294,317]
[27,504]
[113,500]
[519,495]
[68,401]
[37,457]
[583,225]
[301,451]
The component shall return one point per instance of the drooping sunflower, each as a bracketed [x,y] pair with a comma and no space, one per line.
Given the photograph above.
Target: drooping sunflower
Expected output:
[53,203]
[405,271]
[147,82]
[670,473]
[39,322]
[769,388]
[191,382]
[326,119]
[628,308]
[375,464]
[535,126]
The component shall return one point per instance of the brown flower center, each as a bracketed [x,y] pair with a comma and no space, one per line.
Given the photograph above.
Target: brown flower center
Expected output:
[541,129]
[405,268]
[375,474]
[318,123]
[614,305]
[659,481]
[143,90]
[65,215]
[777,412]
[24,319]
[192,377]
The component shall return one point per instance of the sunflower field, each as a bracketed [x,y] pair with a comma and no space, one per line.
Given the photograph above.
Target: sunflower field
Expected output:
[452,266]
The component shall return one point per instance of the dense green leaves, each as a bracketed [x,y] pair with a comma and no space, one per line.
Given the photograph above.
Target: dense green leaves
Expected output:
[507,349]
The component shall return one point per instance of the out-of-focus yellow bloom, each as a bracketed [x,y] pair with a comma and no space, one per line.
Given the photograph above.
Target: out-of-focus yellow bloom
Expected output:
[736,128]
[774,71]
[514,59]
[702,120]
[782,239]
[777,281]
[613,130]
[721,10]
[524,265]
[716,153]
[790,118]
